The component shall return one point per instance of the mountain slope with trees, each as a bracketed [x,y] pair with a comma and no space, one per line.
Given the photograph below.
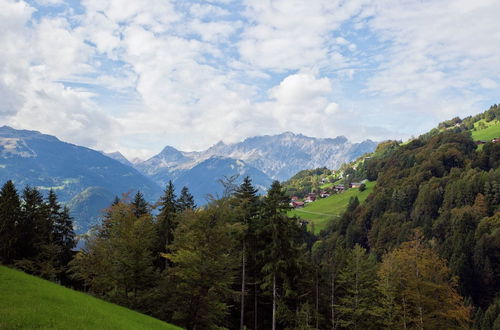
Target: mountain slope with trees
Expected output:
[43,161]
[443,185]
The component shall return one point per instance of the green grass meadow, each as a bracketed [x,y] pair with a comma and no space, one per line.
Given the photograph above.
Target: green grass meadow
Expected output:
[323,210]
[491,131]
[28,302]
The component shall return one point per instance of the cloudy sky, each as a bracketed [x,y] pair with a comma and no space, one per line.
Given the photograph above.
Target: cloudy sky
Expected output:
[138,75]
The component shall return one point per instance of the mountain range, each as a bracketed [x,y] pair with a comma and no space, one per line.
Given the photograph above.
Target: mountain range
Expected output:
[87,180]
[278,156]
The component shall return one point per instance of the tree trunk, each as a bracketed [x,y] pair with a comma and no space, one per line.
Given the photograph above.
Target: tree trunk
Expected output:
[333,300]
[255,288]
[404,313]
[356,295]
[255,304]
[242,313]
[274,302]
[317,299]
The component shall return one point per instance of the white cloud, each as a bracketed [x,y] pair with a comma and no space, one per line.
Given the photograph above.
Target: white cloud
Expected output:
[207,11]
[437,48]
[198,72]
[287,35]
[302,103]
[49,2]
[32,62]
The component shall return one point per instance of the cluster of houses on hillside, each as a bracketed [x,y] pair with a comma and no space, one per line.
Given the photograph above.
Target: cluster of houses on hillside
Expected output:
[296,202]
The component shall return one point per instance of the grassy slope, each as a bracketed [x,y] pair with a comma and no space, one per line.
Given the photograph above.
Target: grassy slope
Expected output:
[491,131]
[326,209]
[28,302]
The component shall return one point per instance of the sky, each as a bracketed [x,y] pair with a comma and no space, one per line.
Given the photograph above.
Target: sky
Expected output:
[136,76]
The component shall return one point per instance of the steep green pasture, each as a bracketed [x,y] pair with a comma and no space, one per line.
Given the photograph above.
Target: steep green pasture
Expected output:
[28,302]
[491,131]
[320,212]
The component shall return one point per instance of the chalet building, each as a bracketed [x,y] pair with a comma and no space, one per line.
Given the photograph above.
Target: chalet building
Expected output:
[294,198]
[479,142]
[324,194]
[310,198]
[495,140]
[297,205]
[355,184]
[339,188]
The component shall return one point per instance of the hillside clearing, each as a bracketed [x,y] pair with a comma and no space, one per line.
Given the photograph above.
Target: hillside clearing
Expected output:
[320,212]
[491,131]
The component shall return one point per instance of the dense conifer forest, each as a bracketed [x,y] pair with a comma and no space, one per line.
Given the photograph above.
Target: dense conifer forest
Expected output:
[422,251]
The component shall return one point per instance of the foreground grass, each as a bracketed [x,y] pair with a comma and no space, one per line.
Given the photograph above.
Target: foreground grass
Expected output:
[29,302]
[320,212]
[491,131]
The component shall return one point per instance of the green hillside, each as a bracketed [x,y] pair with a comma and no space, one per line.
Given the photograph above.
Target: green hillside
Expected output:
[486,131]
[326,209]
[29,302]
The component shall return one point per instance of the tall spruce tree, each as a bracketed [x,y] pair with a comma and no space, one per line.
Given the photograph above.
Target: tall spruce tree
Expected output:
[168,210]
[64,238]
[357,303]
[35,213]
[10,212]
[120,266]
[103,230]
[246,204]
[281,252]
[203,256]
[166,221]
[141,207]
[40,216]
[185,200]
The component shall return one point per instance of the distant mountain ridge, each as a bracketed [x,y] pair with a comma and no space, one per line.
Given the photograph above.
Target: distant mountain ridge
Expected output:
[40,160]
[278,156]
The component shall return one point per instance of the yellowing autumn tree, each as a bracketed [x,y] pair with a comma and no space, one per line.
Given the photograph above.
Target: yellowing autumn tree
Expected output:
[418,291]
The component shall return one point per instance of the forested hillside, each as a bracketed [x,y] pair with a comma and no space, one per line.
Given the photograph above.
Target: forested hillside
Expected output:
[448,190]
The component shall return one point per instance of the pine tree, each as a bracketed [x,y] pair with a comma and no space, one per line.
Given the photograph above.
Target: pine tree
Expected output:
[280,253]
[64,238]
[185,200]
[246,208]
[120,265]
[10,210]
[203,258]
[36,214]
[39,215]
[140,205]
[61,240]
[357,304]
[104,229]
[332,257]
[166,219]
